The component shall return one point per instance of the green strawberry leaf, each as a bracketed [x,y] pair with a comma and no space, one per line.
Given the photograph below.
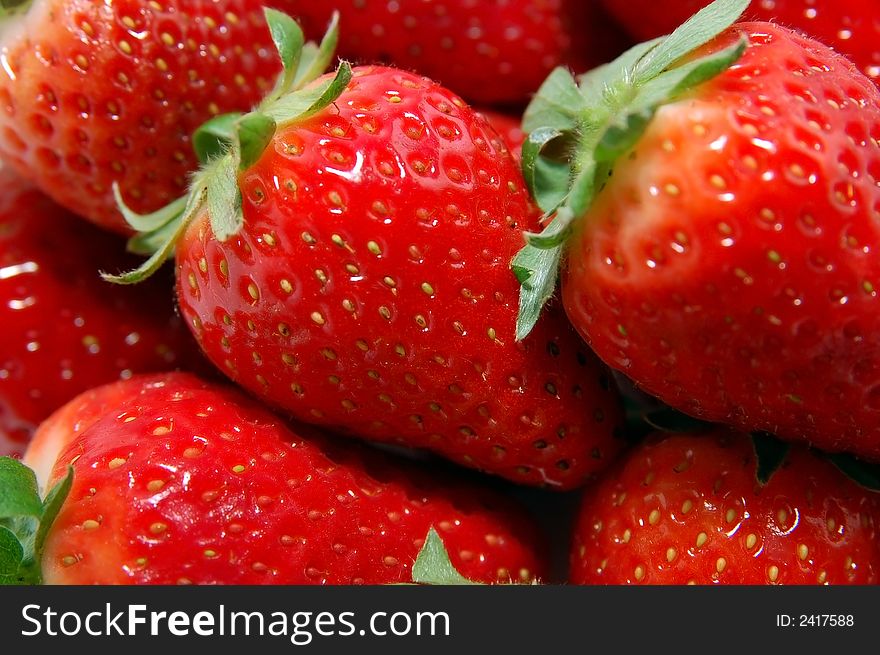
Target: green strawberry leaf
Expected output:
[224,198]
[232,143]
[214,137]
[557,105]
[11,556]
[546,179]
[25,521]
[694,33]
[288,38]
[604,112]
[309,101]
[537,271]
[18,490]
[770,453]
[316,59]
[556,233]
[670,85]
[194,203]
[865,474]
[148,222]
[433,566]
[254,132]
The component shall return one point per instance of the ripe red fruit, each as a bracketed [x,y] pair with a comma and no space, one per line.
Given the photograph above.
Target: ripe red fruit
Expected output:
[726,262]
[509,128]
[369,289]
[689,509]
[346,259]
[64,329]
[492,51]
[179,481]
[852,27]
[93,93]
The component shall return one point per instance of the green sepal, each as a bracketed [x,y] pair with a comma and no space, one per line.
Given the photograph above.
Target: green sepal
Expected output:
[537,270]
[173,232]
[224,198]
[671,84]
[433,566]
[316,59]
[147,222]
[309,101]
[25,521]
[865,474]
[598,119]
[215,136]
[254,132]
[545,177]
[288,38]
[694,33]
[11,557]
[770,454]
[556,234]
[232,143]
[557,105]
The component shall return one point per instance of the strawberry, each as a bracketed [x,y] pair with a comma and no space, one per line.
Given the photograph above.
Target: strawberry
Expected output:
[93,93]
[707,509]
[852,27]
[493,51]
[718,240]
[175,481]
[508,128]
[65,330]
[365,283]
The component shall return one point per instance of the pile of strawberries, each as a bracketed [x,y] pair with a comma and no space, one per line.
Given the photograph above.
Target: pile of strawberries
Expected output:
[652,283]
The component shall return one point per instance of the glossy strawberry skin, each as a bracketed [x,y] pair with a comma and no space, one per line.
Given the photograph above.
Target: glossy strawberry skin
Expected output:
[852,27]
[509,128]
[64,330]
[729,267]
[491,51]
[370,290]
[95,93]
[688,509]
[177,481]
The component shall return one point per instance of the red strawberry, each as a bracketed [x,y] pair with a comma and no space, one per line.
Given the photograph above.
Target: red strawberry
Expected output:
[509,128]
[851,27]
[726,261]
[690,510]
[365,285]
[93,93]
[64,329]
[489,51]
[179,481]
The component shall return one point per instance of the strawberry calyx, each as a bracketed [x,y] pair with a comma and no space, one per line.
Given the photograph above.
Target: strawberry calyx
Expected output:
[579,128]
[433,566]
[230,144]
[25,520]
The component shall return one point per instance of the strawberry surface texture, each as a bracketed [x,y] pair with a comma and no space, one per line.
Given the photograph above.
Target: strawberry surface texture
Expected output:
[177,481]
[369,289]
[64,330]
[690,509]
[97,93]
